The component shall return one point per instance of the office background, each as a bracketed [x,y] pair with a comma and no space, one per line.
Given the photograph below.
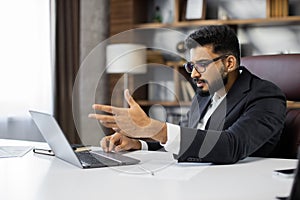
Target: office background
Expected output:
[89,21]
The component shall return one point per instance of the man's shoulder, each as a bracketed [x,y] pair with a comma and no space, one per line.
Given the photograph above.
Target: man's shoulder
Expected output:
[255,87]
[257,82]
[260,87]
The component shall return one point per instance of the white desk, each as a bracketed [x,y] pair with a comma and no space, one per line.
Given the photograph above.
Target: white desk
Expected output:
[38,177]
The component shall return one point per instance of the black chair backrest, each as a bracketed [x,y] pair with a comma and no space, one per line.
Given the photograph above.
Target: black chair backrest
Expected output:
[284,71]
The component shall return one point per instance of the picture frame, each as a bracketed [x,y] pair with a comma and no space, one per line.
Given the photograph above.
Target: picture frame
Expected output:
[194,10]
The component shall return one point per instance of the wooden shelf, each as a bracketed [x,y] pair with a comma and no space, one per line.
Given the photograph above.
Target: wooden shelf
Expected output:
[128,14]
[292,104]
[239,22]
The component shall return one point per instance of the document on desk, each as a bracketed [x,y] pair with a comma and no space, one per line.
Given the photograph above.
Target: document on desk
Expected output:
[14,151]
[160,165]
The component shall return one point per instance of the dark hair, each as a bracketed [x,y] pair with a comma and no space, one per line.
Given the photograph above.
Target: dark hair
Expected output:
[222,38]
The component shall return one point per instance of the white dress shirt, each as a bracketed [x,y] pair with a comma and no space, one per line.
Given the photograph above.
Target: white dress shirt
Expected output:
[173,131]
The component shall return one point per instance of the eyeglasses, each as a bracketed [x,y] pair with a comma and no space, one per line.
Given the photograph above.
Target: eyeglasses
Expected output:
[201,65]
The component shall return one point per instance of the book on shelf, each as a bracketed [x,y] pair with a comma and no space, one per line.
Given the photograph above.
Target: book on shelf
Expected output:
[187,91]
[277,8]
[161,91]
[176,114]
[184,91]
[190,90]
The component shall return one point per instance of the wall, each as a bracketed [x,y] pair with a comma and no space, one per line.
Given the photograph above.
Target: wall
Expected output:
[94,29]
[270,40]
[19,128]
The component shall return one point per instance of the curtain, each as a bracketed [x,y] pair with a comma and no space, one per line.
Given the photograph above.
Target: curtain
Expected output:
[66,63]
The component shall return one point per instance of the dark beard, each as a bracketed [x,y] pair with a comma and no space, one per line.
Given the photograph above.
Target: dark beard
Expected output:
[212,88]
[201,92]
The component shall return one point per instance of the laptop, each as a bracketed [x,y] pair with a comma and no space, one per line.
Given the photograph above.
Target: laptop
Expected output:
[295,191]
[62,149]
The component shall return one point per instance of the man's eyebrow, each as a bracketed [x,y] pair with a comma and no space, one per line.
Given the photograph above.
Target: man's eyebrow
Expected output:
[202,60]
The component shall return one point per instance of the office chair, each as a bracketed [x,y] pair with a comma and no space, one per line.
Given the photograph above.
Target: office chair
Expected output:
[284,71]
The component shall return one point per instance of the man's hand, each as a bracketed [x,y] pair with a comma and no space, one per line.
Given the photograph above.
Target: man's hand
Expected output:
[119,142]
[132,122]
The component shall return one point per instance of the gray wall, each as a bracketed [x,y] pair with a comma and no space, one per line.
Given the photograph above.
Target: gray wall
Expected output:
[94,30]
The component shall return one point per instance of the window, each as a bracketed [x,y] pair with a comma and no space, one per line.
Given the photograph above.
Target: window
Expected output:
[26,75]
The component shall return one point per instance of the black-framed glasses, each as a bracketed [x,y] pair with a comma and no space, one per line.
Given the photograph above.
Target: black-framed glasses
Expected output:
[201,65]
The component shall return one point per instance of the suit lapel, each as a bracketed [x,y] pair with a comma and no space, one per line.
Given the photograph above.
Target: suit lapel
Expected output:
[239,90]
[234,96]
[198,107]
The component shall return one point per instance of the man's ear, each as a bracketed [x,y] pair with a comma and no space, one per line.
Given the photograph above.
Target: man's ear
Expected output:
[231,63]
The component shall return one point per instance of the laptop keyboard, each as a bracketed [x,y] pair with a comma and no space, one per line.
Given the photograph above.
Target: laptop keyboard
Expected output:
[91,159]
[114,156]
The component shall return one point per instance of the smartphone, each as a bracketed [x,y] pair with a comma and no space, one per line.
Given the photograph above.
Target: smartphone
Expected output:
[285,172]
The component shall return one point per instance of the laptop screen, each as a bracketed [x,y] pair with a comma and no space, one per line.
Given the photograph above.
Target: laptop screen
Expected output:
[54,136]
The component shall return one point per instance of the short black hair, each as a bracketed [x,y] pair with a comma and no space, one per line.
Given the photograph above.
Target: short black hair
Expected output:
[222,38]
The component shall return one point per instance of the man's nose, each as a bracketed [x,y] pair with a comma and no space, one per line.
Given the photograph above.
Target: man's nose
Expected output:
[195,73]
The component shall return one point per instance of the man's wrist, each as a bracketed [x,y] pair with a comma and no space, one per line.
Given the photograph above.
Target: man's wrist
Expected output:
[137,145]
[161,136]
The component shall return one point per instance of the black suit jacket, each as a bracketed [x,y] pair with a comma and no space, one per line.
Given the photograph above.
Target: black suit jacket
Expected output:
[248,122]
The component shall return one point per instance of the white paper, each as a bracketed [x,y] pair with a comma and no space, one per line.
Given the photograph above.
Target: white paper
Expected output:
[14,151]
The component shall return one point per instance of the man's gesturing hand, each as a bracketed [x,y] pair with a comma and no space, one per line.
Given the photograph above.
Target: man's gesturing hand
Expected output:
[132,121]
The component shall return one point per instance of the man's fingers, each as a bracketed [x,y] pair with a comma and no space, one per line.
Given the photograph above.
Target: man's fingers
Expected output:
[113,142]
[129,98]
[122,147]
[110,125]
[109,109]
[104,108]
[108,143]
[106,120]
[128,144]
[104,143]
[103,118]
[110,121]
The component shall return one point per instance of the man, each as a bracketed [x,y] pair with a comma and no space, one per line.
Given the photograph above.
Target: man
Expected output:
[234,114]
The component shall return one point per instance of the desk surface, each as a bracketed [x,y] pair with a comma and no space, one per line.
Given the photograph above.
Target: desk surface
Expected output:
[39,177]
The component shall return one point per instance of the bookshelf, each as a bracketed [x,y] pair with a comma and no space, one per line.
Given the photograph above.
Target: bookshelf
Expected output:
[168,78]
[129,14]
[152,89]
